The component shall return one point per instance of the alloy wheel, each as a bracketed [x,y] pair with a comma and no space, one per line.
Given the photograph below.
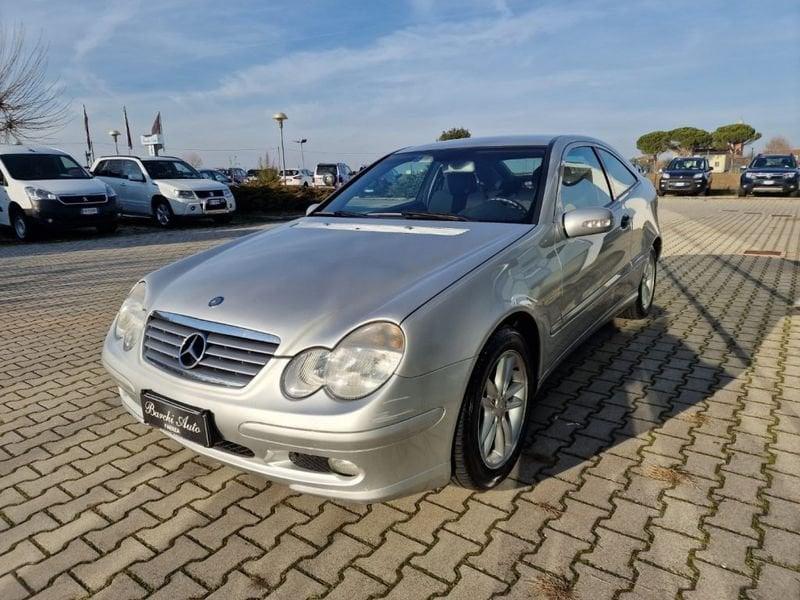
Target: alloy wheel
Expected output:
[503,403]
[649,281]
[162,215]
[20,227]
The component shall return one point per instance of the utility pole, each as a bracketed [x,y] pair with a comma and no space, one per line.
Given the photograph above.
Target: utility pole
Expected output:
[302,158]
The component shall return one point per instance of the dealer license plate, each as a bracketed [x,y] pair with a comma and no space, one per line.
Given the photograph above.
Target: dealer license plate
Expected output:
[89,211]
[193,424]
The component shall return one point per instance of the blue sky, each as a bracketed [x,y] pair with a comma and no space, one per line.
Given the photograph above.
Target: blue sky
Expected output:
[359,79]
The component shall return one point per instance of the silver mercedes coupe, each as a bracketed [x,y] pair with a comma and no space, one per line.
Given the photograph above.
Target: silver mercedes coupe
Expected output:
[395,337]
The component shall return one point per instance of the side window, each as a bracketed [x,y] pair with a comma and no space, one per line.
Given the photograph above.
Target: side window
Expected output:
[114,168]
[583,184]
[618,174]
[131,170]
[101,168]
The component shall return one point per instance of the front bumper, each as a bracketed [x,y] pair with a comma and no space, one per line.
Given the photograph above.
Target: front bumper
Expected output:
[777,186]
[202,208]
[683,185]
[400,438]
[52,213]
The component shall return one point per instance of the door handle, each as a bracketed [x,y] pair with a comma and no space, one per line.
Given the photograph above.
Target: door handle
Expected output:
[625,221]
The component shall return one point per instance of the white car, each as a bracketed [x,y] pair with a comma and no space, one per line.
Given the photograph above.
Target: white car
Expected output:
[165,188]
[332,174]
[44,187]
[300,177]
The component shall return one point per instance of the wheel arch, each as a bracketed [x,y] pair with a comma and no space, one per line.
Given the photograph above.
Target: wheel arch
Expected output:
[526,325]
[156,199]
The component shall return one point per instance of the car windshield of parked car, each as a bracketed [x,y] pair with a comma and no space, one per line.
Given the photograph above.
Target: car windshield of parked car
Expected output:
[170,169]
[774,162]
[474,184]
[686,164]
[30,167]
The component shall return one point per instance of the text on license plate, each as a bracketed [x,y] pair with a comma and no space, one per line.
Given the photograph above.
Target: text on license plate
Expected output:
[193,424]
[89,211]
[680,183]
[768,182]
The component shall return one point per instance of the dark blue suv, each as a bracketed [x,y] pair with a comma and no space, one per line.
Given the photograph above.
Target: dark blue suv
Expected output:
[771,173]
[687,175]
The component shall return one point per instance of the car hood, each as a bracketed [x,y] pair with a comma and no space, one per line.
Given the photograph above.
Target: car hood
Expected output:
[68,187]
[779,170]
[311,281]
[682,172]
[192,184]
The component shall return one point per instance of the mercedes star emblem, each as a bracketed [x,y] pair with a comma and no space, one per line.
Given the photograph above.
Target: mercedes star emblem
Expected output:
[192,350]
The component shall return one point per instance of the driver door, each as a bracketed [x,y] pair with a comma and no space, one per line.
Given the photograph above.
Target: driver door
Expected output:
[594,265]
[137,190]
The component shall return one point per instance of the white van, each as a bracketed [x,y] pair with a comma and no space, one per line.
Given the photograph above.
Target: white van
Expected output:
[165,188]
[44,187]
[337,174]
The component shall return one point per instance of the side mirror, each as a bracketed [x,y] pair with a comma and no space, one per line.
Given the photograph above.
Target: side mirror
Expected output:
[312,208]
[660,171]
[587,221]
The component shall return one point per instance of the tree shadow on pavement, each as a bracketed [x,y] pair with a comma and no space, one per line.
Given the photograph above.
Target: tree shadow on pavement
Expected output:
[630,378]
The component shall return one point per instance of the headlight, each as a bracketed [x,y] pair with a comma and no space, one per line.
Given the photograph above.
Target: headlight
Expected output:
[748,175]
[228,193]
[185,194]
[110,192]
[789,175]
[39,194]
[665,176]
[361,363]
[699,175]
[130,319]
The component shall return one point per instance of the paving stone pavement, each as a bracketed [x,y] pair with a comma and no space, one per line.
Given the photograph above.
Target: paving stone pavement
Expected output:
[663,459]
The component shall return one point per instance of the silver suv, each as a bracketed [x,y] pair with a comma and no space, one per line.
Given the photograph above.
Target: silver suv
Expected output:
[165,188]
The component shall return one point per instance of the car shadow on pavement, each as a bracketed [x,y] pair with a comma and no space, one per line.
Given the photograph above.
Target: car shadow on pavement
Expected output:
[634,378]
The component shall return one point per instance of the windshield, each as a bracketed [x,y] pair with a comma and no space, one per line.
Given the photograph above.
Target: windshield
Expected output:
[686,164]
[475,184]
[170,169]
[774,162]
[28,167]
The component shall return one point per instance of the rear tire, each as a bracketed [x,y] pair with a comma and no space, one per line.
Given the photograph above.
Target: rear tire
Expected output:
[647,290]
[494,413]
[21,226]
[162,213]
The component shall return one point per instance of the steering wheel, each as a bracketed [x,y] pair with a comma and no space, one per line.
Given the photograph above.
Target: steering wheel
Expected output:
[508,202]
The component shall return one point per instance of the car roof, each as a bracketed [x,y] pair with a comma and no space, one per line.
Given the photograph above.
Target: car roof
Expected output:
[143,158]
[497,141]
[22,149]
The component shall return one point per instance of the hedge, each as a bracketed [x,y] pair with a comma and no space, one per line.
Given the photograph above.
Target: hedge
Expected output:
[277,199]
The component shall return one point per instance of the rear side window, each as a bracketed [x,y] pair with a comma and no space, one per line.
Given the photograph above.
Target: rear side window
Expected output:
[618,174]
[583,184]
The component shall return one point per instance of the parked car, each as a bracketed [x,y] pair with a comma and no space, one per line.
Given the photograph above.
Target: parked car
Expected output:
[43,187]
[165,188]
[252,175]
[686,175]
[771,173]
[332,174]
[215,175]
[397,335]
[301,177]
[237,175]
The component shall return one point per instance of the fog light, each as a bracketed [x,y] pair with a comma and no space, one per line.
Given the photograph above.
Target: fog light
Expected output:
[343,467]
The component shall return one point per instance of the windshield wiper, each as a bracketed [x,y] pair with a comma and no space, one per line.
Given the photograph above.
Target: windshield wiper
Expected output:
[338,213]
[413,214]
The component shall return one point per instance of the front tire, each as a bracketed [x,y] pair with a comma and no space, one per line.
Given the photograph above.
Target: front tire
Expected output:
[493,419]
[647,290]
[741,193]
[21,226]
[162,213]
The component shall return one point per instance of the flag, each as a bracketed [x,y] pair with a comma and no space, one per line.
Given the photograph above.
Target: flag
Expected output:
[156,128]
[86,127]
[128,130]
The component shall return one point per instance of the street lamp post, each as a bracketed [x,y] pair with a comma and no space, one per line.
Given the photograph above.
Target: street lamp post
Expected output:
[280,117]
[115,134]
[302,158]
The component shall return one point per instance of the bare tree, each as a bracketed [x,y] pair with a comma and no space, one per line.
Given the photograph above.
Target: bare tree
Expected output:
[30,105]
[193,158]
[778,145]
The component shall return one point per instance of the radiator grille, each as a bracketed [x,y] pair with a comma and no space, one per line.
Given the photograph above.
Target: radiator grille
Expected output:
[231,356]
[83,199]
